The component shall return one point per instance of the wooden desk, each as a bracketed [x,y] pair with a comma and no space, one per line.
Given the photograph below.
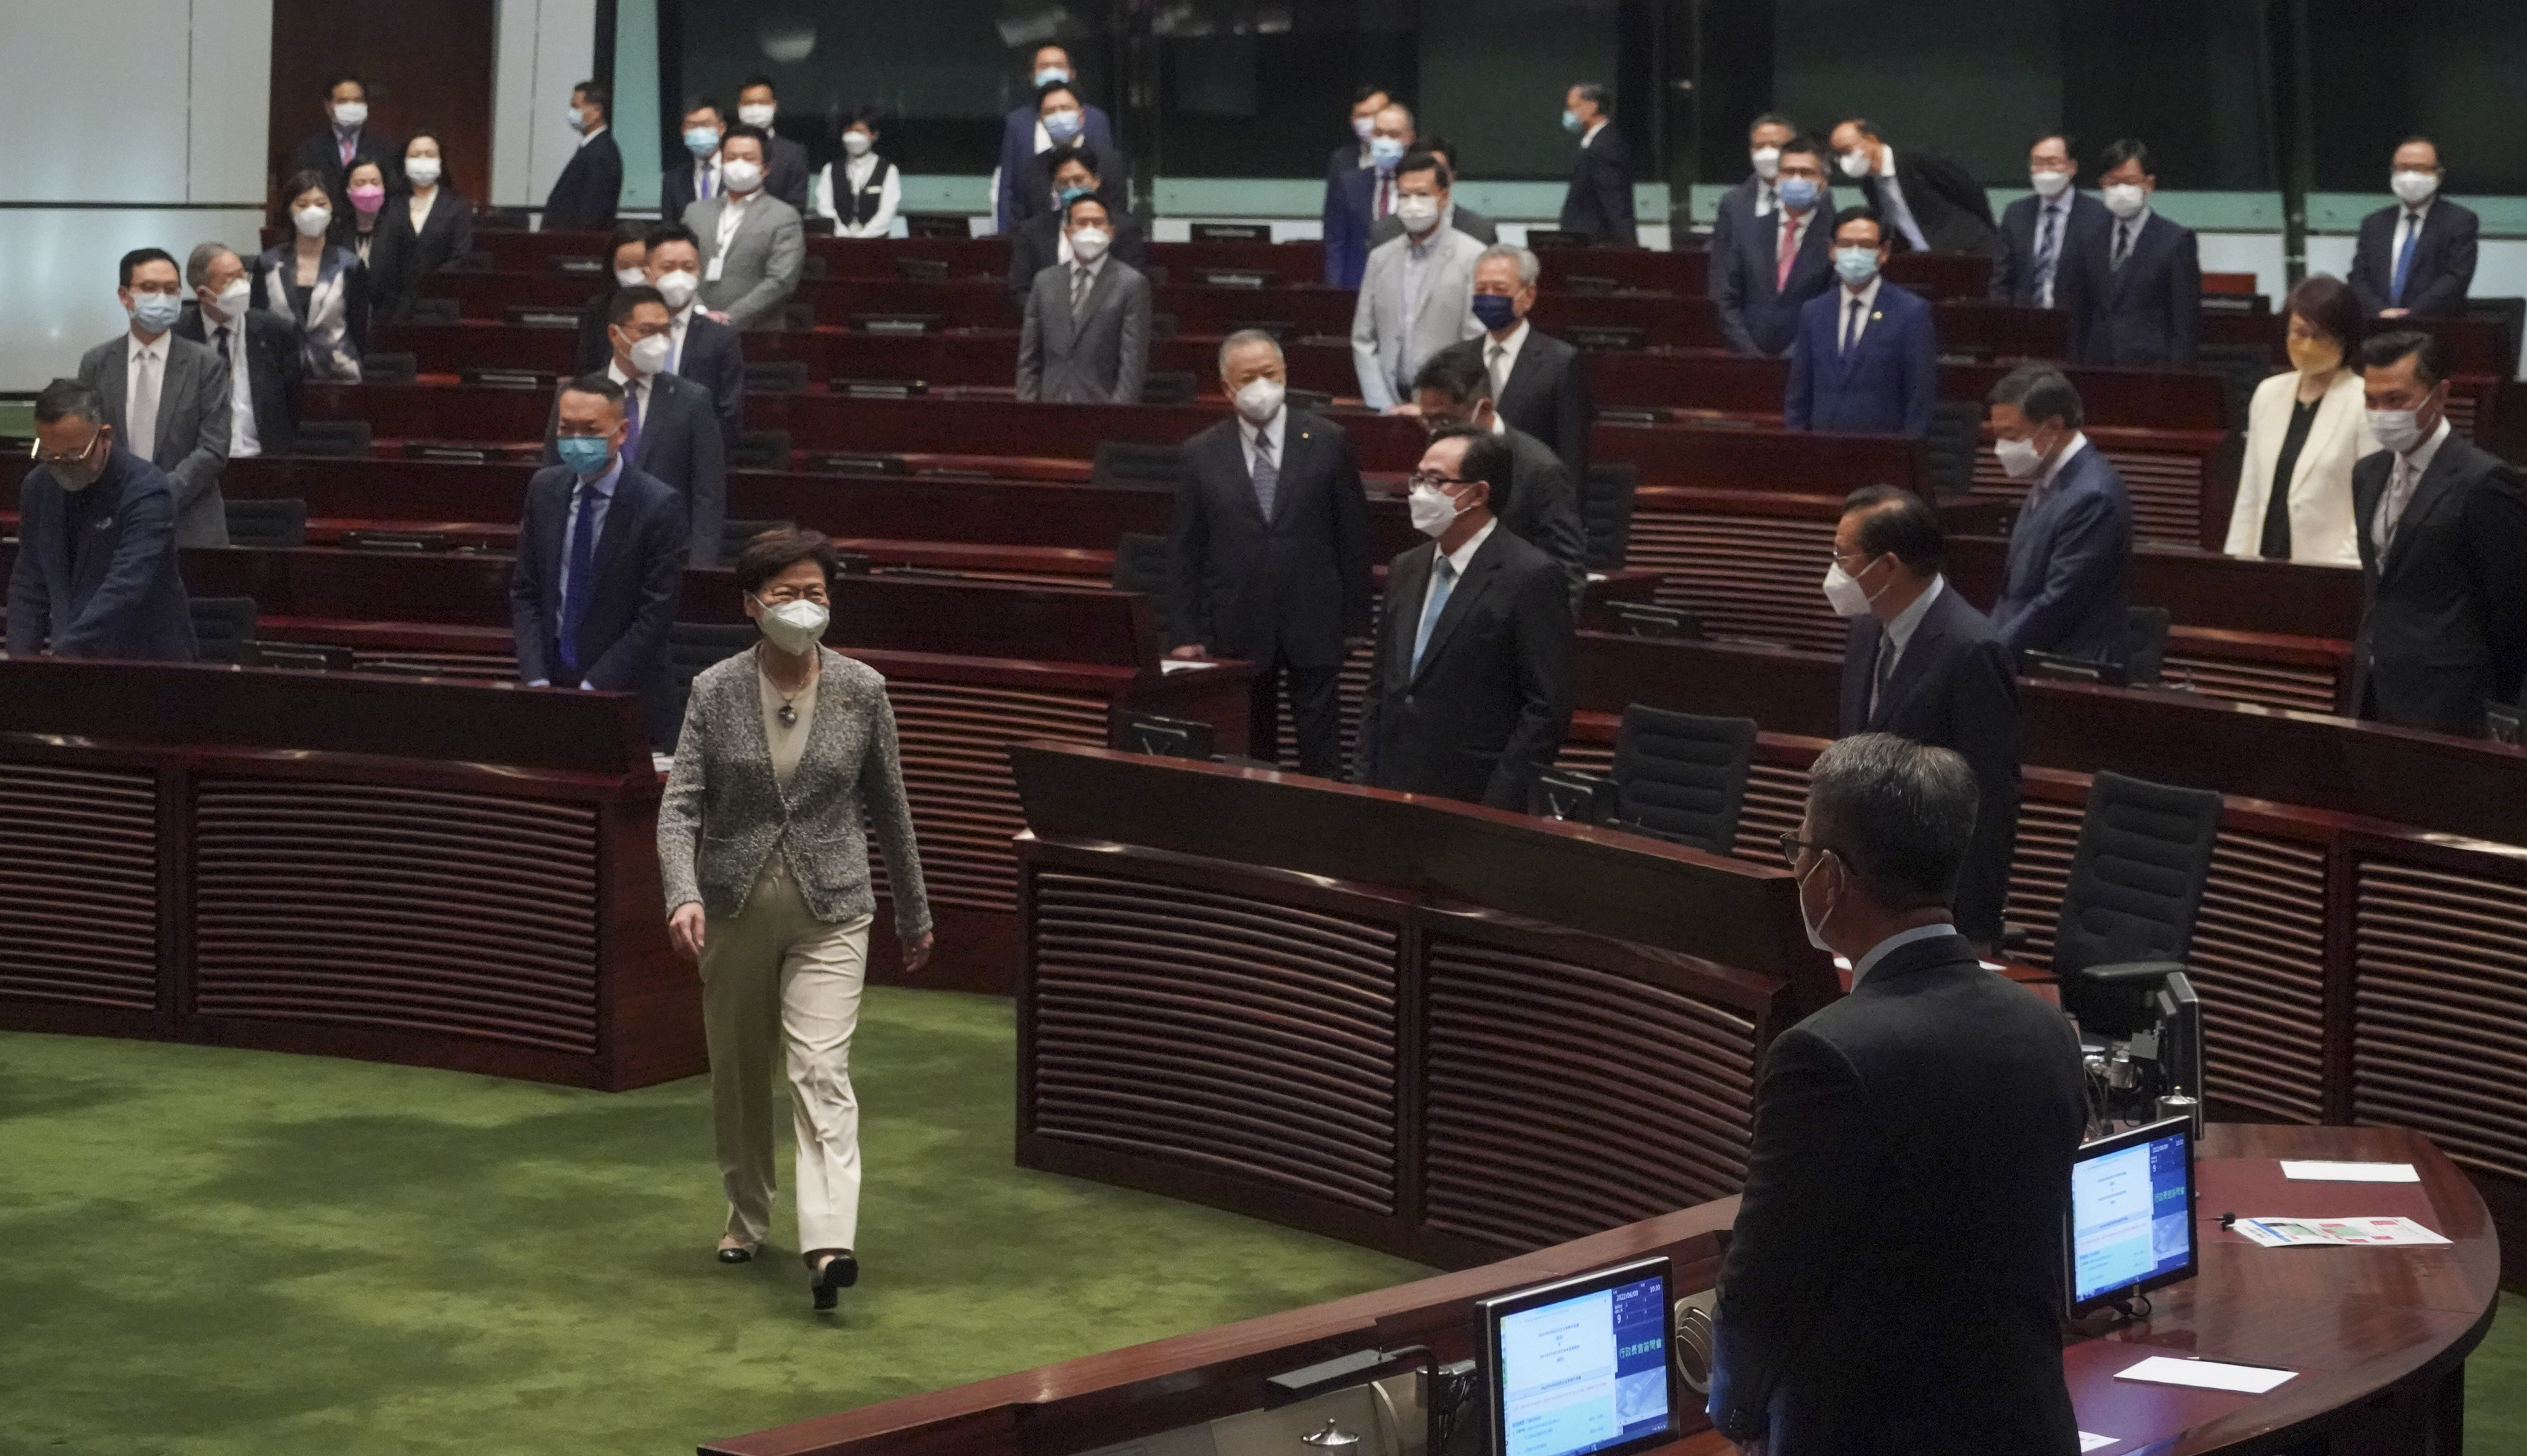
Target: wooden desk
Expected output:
[2379,1336]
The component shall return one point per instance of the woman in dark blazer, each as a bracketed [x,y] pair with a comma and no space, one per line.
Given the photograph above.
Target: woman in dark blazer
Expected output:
[627,255]
[421,232]
[767,876]
[324,286]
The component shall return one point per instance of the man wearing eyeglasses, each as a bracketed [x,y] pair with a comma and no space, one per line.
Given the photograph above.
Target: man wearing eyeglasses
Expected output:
[95,574]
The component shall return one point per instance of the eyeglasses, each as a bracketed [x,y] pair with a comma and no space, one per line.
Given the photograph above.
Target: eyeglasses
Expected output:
[1434,479]
[35,450]
[1791,843]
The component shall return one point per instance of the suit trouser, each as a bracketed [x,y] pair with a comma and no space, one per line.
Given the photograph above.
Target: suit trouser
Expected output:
[1315,711]
[775,976]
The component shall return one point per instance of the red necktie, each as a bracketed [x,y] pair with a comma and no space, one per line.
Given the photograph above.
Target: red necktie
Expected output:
[1790,252]
[350,145]
[1385,188]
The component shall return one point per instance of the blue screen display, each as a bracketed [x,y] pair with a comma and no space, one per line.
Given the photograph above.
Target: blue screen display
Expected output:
[1585,1373]
[2131,1216]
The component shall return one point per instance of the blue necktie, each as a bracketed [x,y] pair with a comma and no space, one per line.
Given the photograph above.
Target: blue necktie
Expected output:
[1443,579]
[576,590]
[702,187]
[631,420]
[2404,254]
[1268,476]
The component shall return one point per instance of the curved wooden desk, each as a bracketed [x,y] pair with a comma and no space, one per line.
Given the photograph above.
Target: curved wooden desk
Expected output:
[2379,1336]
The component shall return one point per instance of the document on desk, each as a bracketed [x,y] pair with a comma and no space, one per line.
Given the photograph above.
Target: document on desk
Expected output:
[1182,664]
[2089,1440]
[2318,1170]
[2292,1233]
[2208,1375]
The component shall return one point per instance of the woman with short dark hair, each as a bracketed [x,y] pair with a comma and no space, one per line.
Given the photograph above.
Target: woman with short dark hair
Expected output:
[322,285]
[2305,430]
[421,232]
[767,881]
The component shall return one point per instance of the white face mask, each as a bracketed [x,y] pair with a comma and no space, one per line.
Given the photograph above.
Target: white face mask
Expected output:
[1089,244]
[232,300]
[1767,160]
[1362,127]
[1417,212]
[313,221]
[422,170]
[1261,400]
[2020,459]
[756,116]
[1815,927]
[794,627]
[2399,430]
[2126,199]
[631,277]
[351,114]
[1432,512]
[857,143]
[2413,189]
[2049,185]
[1855,164]
[650,356]
[1844,593]
[741,174]
[677,286]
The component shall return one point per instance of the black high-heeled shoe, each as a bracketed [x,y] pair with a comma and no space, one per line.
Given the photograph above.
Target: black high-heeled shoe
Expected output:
[837,1273]
[738,1253]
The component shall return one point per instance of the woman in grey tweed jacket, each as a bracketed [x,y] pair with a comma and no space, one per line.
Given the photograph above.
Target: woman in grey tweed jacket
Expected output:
[767,879]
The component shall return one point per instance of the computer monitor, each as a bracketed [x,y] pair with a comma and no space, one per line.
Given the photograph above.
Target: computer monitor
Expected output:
[2130,1220]
[1580,1366]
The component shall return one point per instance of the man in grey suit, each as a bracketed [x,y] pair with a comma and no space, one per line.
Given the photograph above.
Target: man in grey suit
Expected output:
[753,246]
[1417,294]
[181,389]
[1087,335]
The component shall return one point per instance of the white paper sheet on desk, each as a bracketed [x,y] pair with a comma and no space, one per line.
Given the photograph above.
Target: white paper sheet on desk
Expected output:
[2089,1440]
[2318,1170]
[2209,1374]
[1182,664]
[2290,1233]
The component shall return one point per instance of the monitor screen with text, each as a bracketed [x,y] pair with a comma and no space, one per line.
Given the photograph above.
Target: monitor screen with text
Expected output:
[2132,1212]
[1580,1367]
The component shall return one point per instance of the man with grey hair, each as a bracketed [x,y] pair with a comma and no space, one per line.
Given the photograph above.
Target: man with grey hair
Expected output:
[1912,1152]
[95,573]
[266,363]
[1268,555]
[2067,578]
[1536,381]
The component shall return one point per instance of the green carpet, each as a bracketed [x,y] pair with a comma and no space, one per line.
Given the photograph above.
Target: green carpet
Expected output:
[233,1252]
[230,1252]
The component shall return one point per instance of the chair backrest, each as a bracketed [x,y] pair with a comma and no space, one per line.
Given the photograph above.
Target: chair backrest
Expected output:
[1951,442]
[1682,776]
[690,648]
[2136,877]
[439,310]
[1141,565]
[2511,315]
[760,450]
[266,523]
[1606,513]
[1121,463]
[222,627]
[733,535]
[2145,645]
[2241,367]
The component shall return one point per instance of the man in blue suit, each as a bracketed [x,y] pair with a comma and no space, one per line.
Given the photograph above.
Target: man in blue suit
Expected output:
[600,561]
[95,574]
[2036,229]
[699,347]
[1866,360]
[2133,286]
[1023,135]
[1358,199]
[2065,586]
[670,429]
[1767,267]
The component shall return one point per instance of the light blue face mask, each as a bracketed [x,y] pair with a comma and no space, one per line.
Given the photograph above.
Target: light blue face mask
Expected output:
[1385,151]
[1855,265]
[156,312]
[576,119]
[1052,75]
[702,142]
[1799,192]
[584,453]
[1569,120]
[1062,126]
[1067,195]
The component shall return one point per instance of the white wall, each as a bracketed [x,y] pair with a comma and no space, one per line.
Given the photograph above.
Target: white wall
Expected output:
[171,99]
[544,48]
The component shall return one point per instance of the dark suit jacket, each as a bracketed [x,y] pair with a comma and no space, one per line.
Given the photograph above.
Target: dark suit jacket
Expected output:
[1546,397]
[1543,509]
[116,594]
[1350,208]
[2013,273]
[681,447]
[2148,312]
[400,256]
[1017,144]
[1036,245]
[784,176]
[638,580]
[1888,384]
[192,429]
[1034,195]
[2445,624]
[1947,204]
[585,196]
[320,151]
[2443,261]
[1599,204]
[1100,356]
[276,367]
[1756,316]
[1913,1147]
[714,358]
[1953,689]
[2066,584]
[1285,590]
[1462,219]
[1485,713]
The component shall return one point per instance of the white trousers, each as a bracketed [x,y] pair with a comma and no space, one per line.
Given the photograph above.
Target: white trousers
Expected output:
[775,976]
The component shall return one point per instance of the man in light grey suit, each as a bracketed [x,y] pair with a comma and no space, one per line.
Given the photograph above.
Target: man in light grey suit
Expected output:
[1087,336]
[1417,295]
[753,243]
[182,389]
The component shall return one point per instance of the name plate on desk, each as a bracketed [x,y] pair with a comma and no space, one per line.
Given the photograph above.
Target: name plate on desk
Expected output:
[1233,278]
[895,325]
[880,388]
[850,463]
[509,379]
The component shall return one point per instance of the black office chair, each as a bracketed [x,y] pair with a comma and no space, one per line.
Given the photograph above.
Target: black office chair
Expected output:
[1682,776]
[1954,438]
[222,627]
[1141,565]
[760,450]
[1119,463]
[2241,367]
[331,438]
[2136,886]
[1606,513]
[2511,315]
[1169,387]
[2145,645]
[733,535]
[692,647]
[268,523]
[812,268]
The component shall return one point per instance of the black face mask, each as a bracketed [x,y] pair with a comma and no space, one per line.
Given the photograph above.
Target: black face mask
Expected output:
[81,471]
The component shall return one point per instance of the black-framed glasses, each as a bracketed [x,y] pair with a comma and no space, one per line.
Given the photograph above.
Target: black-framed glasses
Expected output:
[1791,843]
[1434,479]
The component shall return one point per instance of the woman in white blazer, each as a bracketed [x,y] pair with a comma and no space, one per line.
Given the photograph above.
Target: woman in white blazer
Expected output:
[2305,430]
